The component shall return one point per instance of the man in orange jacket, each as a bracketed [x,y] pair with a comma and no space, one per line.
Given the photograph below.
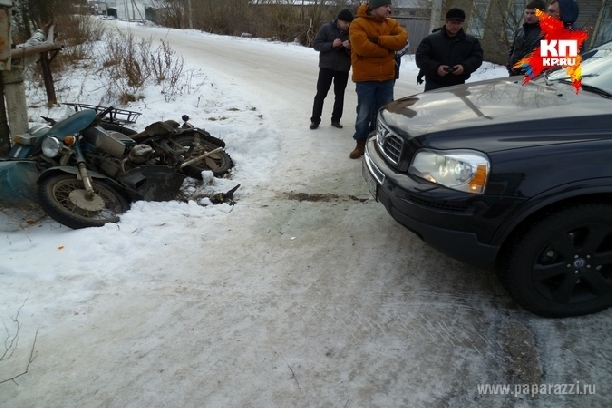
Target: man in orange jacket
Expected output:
[374,39]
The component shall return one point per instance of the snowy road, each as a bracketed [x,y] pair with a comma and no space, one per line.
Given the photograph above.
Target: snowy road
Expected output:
[319,299]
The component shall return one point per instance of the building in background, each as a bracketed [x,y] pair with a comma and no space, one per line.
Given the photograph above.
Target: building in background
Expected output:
[417,17]
[127,9]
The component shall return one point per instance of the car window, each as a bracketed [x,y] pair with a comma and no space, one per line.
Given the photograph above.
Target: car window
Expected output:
[596,69]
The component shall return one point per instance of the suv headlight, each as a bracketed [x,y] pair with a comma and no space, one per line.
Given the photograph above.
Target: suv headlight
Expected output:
[51,146]
[463,170]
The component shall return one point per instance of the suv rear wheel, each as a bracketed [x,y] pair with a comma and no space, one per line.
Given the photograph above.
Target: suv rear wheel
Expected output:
[563,265]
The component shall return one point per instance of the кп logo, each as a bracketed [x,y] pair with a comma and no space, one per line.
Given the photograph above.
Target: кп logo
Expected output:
[560,47]
[559,52]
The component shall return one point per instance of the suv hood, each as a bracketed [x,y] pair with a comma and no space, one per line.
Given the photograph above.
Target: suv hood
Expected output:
[503,103]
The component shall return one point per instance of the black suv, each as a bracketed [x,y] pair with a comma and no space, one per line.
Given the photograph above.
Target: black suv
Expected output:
[519,177]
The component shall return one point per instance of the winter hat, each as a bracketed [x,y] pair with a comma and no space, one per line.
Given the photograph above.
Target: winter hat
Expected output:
[455,14]
[569,12]
[536,4]
[377,3]
[345,15]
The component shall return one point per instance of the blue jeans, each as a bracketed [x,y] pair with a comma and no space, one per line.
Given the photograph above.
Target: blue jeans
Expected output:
[371,96]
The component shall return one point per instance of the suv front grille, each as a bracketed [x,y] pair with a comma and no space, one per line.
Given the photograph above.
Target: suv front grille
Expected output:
[393,148]
[390,144]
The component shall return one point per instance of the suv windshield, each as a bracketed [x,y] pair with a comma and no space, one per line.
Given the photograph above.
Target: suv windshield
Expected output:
[596,69]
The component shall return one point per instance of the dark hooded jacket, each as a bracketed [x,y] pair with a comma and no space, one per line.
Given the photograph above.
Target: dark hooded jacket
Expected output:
[569,13]
[526,39]
[338,59]
[439,49]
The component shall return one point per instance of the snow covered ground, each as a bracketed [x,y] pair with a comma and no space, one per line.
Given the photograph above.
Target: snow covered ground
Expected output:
[304,293]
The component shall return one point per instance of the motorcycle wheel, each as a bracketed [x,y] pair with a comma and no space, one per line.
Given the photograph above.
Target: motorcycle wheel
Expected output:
[61,197]
[219,163]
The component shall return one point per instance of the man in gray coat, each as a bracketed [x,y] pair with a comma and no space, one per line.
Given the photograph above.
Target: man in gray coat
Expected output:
[332,42]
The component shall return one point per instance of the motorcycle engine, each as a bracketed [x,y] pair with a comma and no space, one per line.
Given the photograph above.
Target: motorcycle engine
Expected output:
[140,154]
[113,143]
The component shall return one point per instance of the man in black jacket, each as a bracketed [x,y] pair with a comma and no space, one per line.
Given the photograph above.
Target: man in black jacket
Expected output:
[332,41]
[527,37]
[449,56]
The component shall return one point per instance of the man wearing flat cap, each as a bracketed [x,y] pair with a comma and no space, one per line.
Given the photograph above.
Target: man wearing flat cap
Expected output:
[332,42]
[374,39]
[449,55]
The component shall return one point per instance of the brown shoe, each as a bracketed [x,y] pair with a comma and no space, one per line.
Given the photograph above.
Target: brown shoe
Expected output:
[359,149]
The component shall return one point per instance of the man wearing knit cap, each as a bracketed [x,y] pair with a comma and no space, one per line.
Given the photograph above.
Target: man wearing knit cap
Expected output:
[332,42]
[527,37]
[374,39]
[566,11]
[449,55]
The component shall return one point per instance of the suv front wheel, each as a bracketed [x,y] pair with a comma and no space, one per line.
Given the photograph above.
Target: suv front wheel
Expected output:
[562,266]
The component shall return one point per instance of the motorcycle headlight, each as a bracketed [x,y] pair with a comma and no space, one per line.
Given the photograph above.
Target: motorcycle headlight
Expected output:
[463,170]
[51,146]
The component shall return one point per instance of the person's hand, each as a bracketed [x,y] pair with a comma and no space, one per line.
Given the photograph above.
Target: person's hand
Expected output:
[442,70]
[346,44]
[337,43]
[458,69]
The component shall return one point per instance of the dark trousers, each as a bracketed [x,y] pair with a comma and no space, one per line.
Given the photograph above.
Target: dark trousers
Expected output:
[324,82]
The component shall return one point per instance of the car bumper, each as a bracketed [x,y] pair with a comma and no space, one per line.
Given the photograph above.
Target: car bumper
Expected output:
[441,217]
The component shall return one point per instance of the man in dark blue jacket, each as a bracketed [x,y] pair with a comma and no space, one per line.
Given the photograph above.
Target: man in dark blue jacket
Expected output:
[332,41]
[449,56]
[566,11]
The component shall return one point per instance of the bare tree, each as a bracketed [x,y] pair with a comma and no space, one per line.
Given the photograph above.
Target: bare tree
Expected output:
[494,22]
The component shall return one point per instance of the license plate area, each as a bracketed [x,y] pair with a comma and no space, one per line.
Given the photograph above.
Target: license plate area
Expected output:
[373,176]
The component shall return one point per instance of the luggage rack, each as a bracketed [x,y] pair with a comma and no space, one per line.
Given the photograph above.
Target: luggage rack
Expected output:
[120,116]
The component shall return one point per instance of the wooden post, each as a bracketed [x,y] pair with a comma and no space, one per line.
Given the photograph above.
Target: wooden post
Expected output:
[13,86]
[5,64]
[16,103]
[48,78]
[5,144]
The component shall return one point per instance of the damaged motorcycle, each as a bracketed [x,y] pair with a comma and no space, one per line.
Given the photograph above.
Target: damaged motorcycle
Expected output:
[19,171]
[86,175]
[196,141]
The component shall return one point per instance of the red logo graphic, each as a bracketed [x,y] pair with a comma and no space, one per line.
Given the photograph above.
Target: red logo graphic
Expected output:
[560,47]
